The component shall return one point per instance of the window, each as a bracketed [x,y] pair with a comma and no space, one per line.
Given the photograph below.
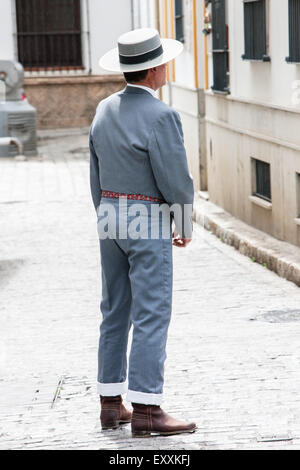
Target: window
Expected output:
[219,47]
[255,30]
[49,34]
[263,180]
[294,31]
[179,20]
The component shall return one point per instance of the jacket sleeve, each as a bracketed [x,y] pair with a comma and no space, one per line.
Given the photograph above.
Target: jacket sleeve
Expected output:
[94,174]
[170,168]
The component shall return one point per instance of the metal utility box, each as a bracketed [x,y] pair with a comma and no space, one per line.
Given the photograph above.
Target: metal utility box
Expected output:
[17,116]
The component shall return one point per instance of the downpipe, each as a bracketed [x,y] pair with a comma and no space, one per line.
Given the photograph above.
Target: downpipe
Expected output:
[4,141]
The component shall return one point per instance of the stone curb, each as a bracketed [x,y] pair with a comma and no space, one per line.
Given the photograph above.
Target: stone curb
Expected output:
[281,257]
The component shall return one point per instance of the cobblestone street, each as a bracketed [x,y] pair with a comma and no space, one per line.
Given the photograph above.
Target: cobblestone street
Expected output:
[233,346]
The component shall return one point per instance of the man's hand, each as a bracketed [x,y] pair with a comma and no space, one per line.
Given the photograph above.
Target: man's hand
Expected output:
[178,241]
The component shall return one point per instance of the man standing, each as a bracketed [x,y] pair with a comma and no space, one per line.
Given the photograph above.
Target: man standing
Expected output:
[138,159]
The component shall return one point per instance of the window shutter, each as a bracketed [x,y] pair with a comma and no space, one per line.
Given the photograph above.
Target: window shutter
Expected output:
[219,46]
[255,30]
[179,20]
[294,31]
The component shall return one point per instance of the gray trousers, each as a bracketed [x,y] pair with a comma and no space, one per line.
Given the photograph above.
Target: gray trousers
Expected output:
[137,278]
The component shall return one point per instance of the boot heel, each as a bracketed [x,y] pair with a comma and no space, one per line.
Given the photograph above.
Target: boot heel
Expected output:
[113,425]
[141,434]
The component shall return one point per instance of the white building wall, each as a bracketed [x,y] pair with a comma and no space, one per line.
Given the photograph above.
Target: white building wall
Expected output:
[267,82]
[6,31]
[259,119]
[108,20]
[185,61]
[184,94]
[102,23]
[143,14]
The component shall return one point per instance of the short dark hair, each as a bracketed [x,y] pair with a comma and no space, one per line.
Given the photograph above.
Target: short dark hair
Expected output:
[135,76]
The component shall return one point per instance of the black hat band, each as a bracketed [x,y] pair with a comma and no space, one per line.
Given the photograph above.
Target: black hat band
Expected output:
[138,59]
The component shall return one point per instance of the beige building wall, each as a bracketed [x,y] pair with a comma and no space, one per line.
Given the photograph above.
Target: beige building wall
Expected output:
[239,131]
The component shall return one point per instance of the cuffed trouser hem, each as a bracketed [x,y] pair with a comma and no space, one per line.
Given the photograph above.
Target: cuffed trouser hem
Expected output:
[111,389]
[144,398]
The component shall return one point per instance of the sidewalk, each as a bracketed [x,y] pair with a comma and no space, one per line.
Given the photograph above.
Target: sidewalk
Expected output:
[233,347]
[279,256]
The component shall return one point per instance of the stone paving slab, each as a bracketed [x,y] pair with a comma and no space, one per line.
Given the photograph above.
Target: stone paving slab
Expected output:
[233,347]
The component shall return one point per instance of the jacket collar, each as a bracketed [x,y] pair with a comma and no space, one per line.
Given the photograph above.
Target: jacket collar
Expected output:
[135,90]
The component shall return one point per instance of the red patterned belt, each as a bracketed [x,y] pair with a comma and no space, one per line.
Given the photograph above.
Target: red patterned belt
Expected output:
[139,197]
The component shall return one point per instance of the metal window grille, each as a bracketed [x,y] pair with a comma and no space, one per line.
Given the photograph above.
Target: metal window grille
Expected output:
[255,30]
[219,46]
[179,20]
[294,31]
[263,180]
[49,34]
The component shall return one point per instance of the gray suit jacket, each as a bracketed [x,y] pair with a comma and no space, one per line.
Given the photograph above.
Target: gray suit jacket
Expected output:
[136,146]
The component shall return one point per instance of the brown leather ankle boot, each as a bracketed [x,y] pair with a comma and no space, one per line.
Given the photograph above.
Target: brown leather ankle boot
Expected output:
[151,419]
[113,412]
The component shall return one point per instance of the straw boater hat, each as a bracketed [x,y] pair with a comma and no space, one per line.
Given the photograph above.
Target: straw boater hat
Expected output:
[140,49]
